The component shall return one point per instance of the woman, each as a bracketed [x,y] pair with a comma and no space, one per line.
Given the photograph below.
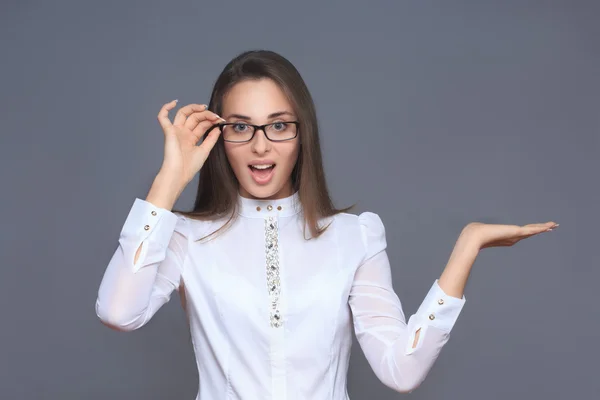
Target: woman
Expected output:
[272,276]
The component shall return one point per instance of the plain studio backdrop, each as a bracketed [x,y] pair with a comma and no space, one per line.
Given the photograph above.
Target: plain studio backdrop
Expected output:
[432,114]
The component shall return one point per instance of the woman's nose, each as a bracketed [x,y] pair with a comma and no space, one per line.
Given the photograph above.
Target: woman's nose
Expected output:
[260,143]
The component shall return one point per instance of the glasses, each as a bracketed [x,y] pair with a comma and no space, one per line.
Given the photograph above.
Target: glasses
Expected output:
[239,132]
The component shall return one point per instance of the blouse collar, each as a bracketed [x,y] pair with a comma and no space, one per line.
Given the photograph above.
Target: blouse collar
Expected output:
[261,208]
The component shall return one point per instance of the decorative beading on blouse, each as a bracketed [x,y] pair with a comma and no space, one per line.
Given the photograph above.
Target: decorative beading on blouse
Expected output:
[273,282]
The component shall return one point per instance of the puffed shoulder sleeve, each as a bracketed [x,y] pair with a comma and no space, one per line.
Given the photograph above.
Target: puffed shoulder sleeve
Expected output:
[372,233]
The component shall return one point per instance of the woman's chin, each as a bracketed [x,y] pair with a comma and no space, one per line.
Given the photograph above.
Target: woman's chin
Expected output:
[266,192]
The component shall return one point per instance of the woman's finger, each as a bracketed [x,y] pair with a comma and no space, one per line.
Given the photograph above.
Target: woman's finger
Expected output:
[205,130]
[205,127]
[185,112]
[539,225]
[201,152]
[210,140]
[197,117]
[530,231]
[163,115]
[546,226]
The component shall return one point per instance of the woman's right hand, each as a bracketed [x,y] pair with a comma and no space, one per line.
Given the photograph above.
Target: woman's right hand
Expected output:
[183,158]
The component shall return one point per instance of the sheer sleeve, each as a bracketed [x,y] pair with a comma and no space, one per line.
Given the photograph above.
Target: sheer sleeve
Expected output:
[400,353]
[131,293]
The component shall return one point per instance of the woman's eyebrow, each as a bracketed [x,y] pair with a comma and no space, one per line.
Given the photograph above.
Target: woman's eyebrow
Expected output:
[273,115]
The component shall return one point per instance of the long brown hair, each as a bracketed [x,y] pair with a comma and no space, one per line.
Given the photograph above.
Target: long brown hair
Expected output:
[218,187]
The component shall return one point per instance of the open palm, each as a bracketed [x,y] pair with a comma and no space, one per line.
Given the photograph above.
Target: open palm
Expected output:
[498,235]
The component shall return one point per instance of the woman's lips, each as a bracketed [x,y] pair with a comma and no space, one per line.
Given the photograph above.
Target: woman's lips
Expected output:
[262,177]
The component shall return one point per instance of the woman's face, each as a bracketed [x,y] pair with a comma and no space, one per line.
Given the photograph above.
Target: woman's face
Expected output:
[256,102]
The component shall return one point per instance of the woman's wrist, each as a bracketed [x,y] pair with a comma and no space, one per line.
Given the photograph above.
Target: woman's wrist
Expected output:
[165,191]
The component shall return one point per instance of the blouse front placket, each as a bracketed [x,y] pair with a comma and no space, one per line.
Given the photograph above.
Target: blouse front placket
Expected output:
[275,309]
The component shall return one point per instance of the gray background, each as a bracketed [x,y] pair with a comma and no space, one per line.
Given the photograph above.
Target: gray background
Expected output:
[433,114]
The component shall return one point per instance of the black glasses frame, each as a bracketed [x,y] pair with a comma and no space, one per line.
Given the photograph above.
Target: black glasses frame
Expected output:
[256,128]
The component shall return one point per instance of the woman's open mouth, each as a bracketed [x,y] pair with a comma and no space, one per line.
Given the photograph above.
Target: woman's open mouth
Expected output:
[262,173]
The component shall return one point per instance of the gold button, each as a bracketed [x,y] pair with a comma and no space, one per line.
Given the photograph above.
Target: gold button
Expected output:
[441,301]
[257,208]
[431,317]
[269,207]
[153,212]
[279,208]
[147,227]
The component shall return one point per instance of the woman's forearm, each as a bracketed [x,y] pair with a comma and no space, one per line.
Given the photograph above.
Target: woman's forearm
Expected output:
[454,277]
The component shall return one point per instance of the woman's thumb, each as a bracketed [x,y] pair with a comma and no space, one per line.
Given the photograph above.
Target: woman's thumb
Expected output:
[202,151]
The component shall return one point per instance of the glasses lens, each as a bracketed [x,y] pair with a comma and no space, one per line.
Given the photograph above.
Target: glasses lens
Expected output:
[281,130]
[237,132]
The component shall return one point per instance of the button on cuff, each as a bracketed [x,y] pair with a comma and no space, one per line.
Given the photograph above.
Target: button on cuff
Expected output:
[440,310]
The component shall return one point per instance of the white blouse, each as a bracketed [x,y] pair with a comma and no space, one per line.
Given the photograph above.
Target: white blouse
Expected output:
[271,313]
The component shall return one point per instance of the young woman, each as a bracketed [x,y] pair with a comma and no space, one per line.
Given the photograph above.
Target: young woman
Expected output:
[272,276]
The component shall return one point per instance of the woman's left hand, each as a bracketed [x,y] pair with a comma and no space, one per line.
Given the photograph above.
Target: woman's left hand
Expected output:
[497,235]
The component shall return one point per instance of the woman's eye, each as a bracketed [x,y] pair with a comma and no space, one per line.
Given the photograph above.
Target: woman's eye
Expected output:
[239,127]
[279,126]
